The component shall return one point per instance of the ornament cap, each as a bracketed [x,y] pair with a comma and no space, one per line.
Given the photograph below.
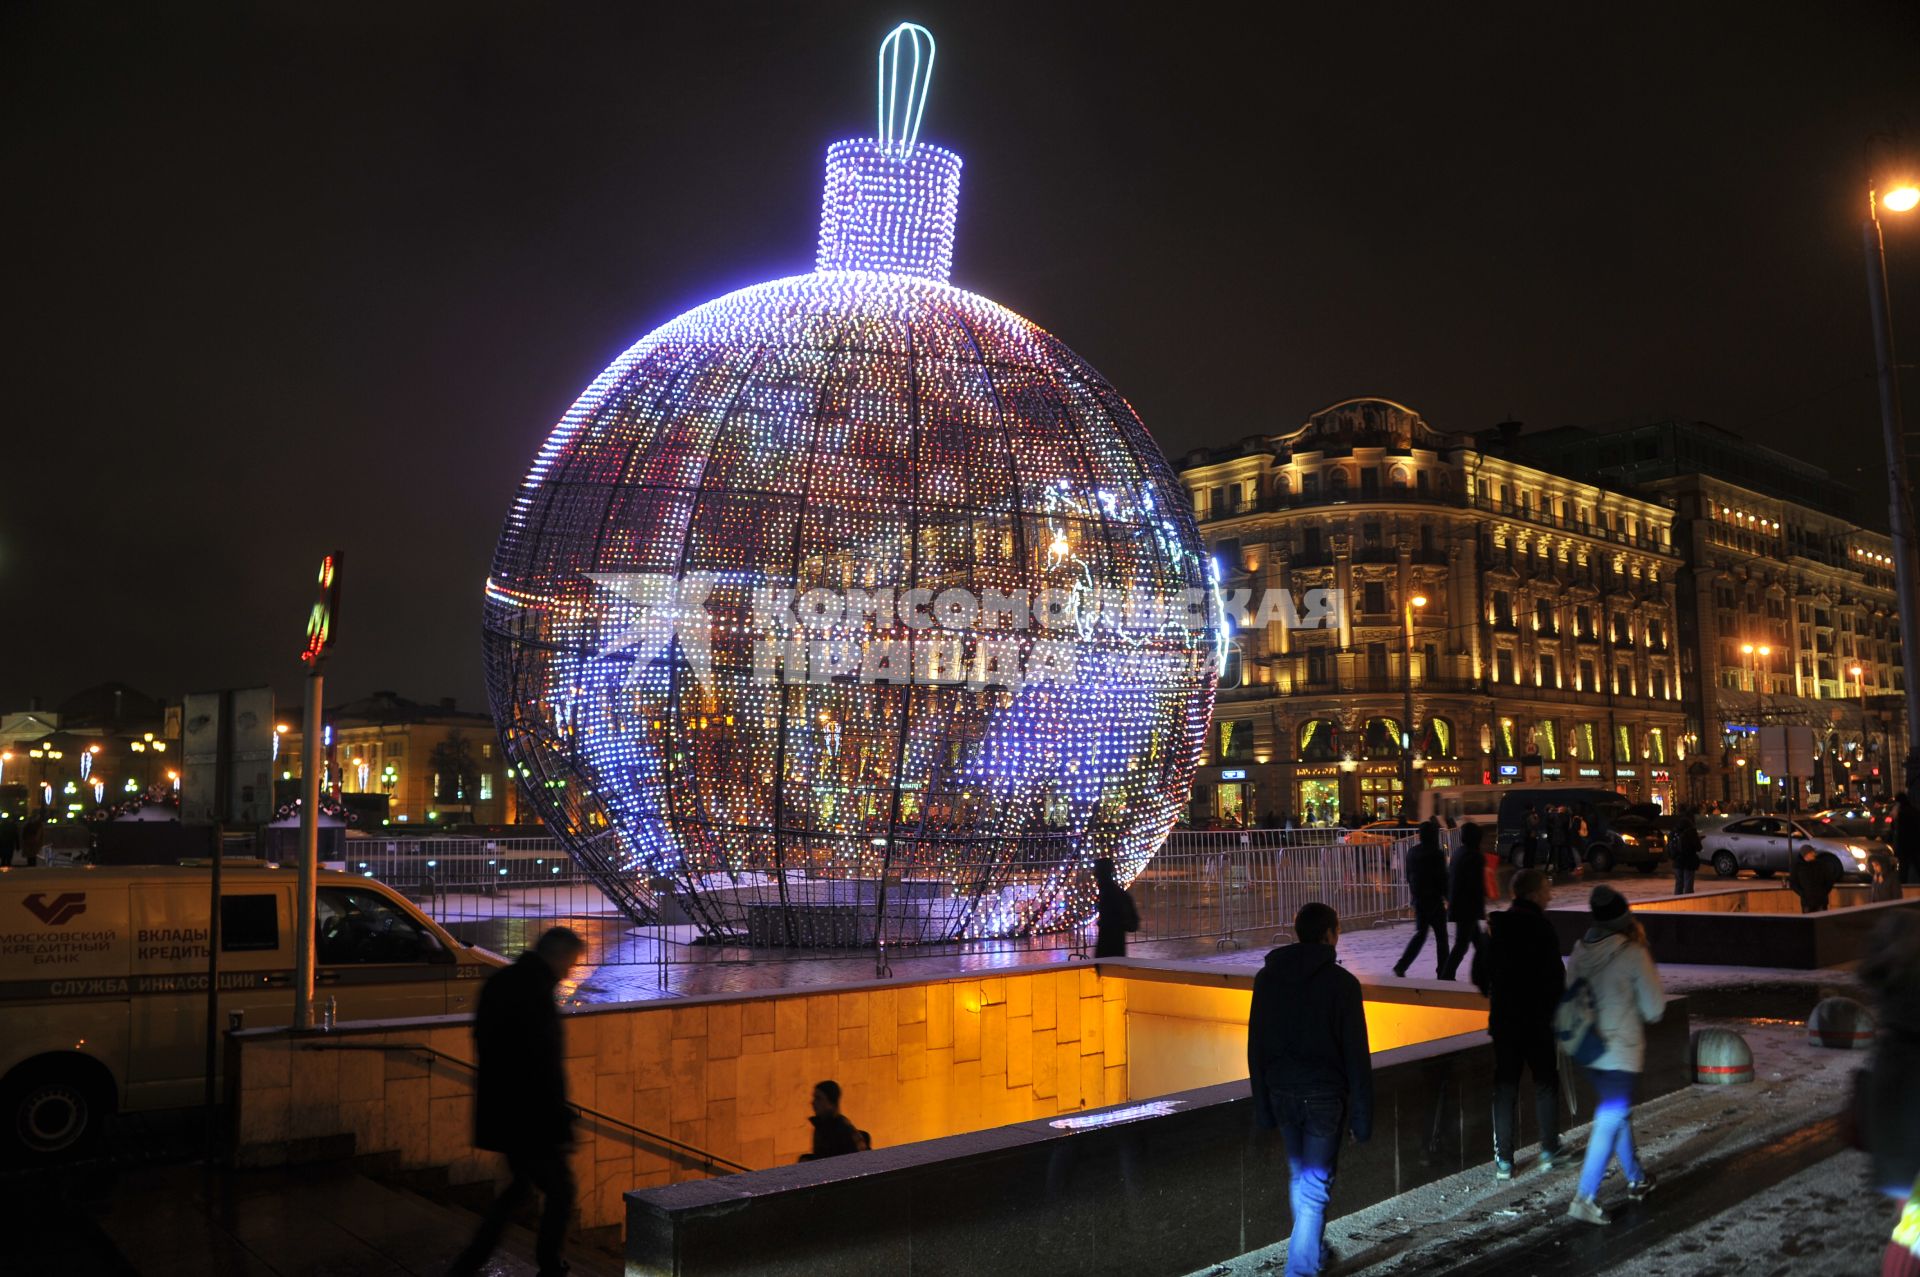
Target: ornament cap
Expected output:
[891,201]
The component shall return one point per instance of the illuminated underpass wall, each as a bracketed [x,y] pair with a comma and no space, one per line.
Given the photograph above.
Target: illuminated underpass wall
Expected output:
[731,1073]
[1187,1024]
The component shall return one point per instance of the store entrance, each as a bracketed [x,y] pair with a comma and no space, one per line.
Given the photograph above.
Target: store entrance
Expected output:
[1319,802]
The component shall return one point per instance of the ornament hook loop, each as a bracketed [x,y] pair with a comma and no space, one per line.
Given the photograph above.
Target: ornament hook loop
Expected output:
[902,104]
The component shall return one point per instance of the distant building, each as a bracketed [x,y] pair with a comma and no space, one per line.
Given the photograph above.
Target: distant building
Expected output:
[435,763]
[97,748]
[1545,645]
[1785,593]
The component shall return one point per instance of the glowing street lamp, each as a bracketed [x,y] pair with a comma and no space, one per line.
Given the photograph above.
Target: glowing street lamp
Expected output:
[1414,602]
[1901,197]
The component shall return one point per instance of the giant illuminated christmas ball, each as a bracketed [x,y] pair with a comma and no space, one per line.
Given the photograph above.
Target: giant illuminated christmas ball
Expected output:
[853,606]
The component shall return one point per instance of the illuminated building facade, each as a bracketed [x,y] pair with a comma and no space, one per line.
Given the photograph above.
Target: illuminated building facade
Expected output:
[1531,618]
[1782,598]
[797,615]
[436,764]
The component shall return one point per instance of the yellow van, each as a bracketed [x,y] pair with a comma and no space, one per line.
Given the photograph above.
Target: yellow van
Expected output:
[103,980]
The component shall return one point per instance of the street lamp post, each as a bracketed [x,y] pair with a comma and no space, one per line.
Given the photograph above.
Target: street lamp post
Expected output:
[1860,690]
[1901,199]
[1406,724]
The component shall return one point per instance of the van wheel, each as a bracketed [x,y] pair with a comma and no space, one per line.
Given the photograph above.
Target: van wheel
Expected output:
[1601,860]
[53,1111]
[1725,864]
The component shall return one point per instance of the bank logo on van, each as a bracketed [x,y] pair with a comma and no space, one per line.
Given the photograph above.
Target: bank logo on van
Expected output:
[59,911]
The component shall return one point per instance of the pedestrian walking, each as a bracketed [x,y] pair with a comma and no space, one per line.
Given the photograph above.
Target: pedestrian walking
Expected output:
[1519,970]
[1116,914]
[1686,856]
[1906,836]
[833,1134]
[1427,883]
[1884,871]
[1613,993]
[1466,896]
[1308,1064]
[1886,1112]
[520,1100]
[1812,878]
[1536,837]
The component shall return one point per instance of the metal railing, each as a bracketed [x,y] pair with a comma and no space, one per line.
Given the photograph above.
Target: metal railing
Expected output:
[1216,885]
[1252,882]
[688,1153]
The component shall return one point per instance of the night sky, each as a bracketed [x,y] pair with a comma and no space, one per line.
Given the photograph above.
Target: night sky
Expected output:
[289,278]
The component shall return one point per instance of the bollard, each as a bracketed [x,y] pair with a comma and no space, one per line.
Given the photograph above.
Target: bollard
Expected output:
[1721,1057]
[1841,1023]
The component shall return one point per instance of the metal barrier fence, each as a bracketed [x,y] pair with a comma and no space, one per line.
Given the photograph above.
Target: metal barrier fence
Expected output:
[1250,884]
[1230,887]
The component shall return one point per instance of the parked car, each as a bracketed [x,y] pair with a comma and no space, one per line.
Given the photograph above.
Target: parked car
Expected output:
[1594,814]
[1768,845]
[1379,833]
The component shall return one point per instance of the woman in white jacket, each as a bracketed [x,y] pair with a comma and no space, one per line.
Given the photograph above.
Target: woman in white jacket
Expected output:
[1614,961]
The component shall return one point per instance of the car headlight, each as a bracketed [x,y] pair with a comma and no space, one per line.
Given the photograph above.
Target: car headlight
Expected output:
[1859,853]
[1630,840]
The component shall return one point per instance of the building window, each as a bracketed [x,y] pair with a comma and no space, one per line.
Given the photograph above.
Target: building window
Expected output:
[1659,684]
[1549,673]
[486,786]
[1503,666]
[1543,617]
[1625,744]
[1374,597]
[1587,680]
[1236,739]
[1502,608]
[1583,621]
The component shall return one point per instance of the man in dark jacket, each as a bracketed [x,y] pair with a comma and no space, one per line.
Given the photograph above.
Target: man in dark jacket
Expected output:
[1427,881]
[1686,856]
[520,1102]
[1310,1070]
[1520,972]
[1812,878]
[1466,897]
[833,1134]
[1906,836]
[1117,914]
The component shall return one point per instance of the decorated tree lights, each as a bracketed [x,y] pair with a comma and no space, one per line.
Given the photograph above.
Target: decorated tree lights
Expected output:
[853,606]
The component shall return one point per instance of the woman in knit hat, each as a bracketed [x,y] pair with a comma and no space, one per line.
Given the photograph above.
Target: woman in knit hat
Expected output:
[1613,960]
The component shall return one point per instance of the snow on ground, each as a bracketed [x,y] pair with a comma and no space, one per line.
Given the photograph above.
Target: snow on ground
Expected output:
[1429,1230]
[1819,1223]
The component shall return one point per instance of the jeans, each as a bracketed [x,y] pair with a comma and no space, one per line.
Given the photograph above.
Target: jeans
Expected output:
[1534,1050]
[1310,1125]
[1612,1135]
[547,1170]
[1465,932]
[1682,881]
[1426,918]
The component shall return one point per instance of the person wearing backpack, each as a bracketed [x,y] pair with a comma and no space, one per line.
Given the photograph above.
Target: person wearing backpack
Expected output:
[1686,856]
[1427,882]
[1613,993]
[1466,897]
[1519,970]
[1117,914]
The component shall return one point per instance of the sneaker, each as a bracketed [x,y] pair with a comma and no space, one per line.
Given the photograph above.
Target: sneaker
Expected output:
[1587,1211]
[1637,1189]
[1547,1159]
[1502,1168]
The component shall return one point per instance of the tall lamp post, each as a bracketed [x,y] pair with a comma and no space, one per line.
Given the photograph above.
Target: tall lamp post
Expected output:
[1901,199]
[1406,725]
[1860,690]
